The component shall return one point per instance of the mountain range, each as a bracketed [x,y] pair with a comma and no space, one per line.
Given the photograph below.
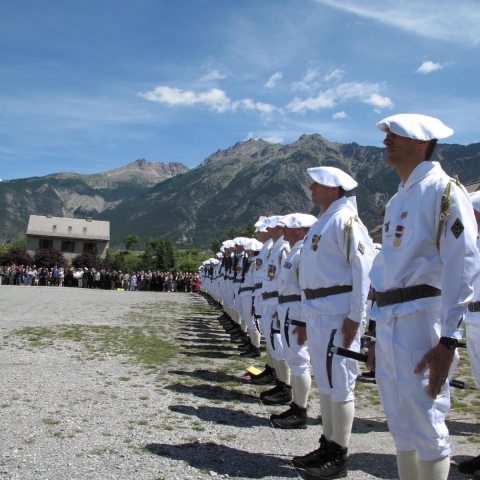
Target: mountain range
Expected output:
[229,188]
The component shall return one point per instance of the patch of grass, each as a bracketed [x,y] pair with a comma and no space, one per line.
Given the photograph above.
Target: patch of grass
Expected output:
[50,421]
[228,437]
[142,422]
[143,397]
[124,379]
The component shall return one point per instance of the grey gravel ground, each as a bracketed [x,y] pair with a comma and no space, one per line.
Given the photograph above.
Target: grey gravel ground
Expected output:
[80,408]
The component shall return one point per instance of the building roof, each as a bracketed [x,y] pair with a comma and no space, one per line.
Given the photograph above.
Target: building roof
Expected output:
[472,187]
[75,228]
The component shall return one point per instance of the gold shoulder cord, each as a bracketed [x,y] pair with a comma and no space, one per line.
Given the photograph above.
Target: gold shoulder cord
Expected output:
[269,252]
[444,206]
[284,249]
[349,228]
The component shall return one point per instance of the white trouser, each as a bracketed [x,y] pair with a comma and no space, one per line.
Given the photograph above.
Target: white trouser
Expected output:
[273,340]
[473,346]
[344,370]
[416,421]
[296,356]
[246,301]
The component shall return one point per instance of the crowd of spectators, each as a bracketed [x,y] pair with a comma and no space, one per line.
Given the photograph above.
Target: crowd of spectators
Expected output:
[99,279]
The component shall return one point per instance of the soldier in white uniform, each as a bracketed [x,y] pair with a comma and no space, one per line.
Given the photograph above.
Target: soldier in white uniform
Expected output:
[334,265]
[268,375]
[281,394]
[423,280]
[292,326]
[250,349]
[472,320]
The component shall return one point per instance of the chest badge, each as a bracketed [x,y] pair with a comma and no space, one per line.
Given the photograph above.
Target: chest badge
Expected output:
[315,240]
[404,215]
[271,271]
[387,226]
[398,235]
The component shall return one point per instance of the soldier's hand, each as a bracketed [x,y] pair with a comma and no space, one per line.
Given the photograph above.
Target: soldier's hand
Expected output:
[371,358]
[439,359]
[349,330]
[302,334]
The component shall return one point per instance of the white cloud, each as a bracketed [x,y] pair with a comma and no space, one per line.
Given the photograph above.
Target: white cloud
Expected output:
[427,67]
[273,139]
[310,81]
[363,92]
[214,99]
[269,138]
[212,75]
[335,76]
[273,80]
[454,21]
[339,115]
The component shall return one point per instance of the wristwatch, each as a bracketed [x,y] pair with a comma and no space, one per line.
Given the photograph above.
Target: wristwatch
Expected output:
[450,343]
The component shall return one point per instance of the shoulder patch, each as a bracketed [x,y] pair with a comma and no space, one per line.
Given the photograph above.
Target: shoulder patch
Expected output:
[361,248]
[457,228]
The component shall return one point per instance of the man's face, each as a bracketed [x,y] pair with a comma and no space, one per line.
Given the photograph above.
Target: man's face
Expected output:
[401,149]
[320,194]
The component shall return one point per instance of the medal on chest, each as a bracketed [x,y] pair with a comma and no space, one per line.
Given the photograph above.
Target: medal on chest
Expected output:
[315,240]
[271,271]
[398,235]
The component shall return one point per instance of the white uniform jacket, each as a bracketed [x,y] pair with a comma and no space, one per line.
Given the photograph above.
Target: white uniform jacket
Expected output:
[260,272]
[275,261]
[248,281]
[288,284]
[337,251]
[410,256]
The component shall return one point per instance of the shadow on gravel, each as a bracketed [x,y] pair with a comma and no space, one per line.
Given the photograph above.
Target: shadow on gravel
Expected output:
[200,340]
[366,425]
[207,335]
[207,354]
[379,465]
[207,376]
[462,429]
[211,347]
[222,416]
[212,392]
[225,460]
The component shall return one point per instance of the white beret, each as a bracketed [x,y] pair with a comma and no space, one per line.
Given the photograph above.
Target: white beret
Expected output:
[253,244]
[332,177]
[418,127]
[260,226]
[222,248]
[240,241]
[298,220]
[272,222]
[475,198]
[228,244]
[219,254]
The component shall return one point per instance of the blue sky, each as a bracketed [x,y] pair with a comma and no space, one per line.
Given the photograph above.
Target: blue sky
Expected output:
[88,86]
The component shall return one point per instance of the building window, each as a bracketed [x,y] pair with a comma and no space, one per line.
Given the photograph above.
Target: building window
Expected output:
[68,246]
[45,243]
[90,247]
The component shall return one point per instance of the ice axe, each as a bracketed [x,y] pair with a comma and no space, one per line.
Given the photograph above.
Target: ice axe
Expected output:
[362,357]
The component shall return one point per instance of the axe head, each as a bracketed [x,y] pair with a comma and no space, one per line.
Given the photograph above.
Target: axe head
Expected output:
[330,357]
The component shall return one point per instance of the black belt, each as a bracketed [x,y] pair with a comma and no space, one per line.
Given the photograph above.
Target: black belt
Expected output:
[258,285]
[246,289]
[289,298]
[401,295]
[237,280]
[474,307]
[268,295]
[326,292]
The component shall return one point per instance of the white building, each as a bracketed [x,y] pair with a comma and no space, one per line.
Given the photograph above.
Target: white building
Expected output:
[71,236]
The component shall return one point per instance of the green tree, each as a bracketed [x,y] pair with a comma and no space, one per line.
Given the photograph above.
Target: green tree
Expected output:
[160,253]
[131,240]
[215,245]
[250,230]
[170,257]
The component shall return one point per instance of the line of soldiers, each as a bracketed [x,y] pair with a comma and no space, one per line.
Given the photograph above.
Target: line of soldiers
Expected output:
[307,284]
